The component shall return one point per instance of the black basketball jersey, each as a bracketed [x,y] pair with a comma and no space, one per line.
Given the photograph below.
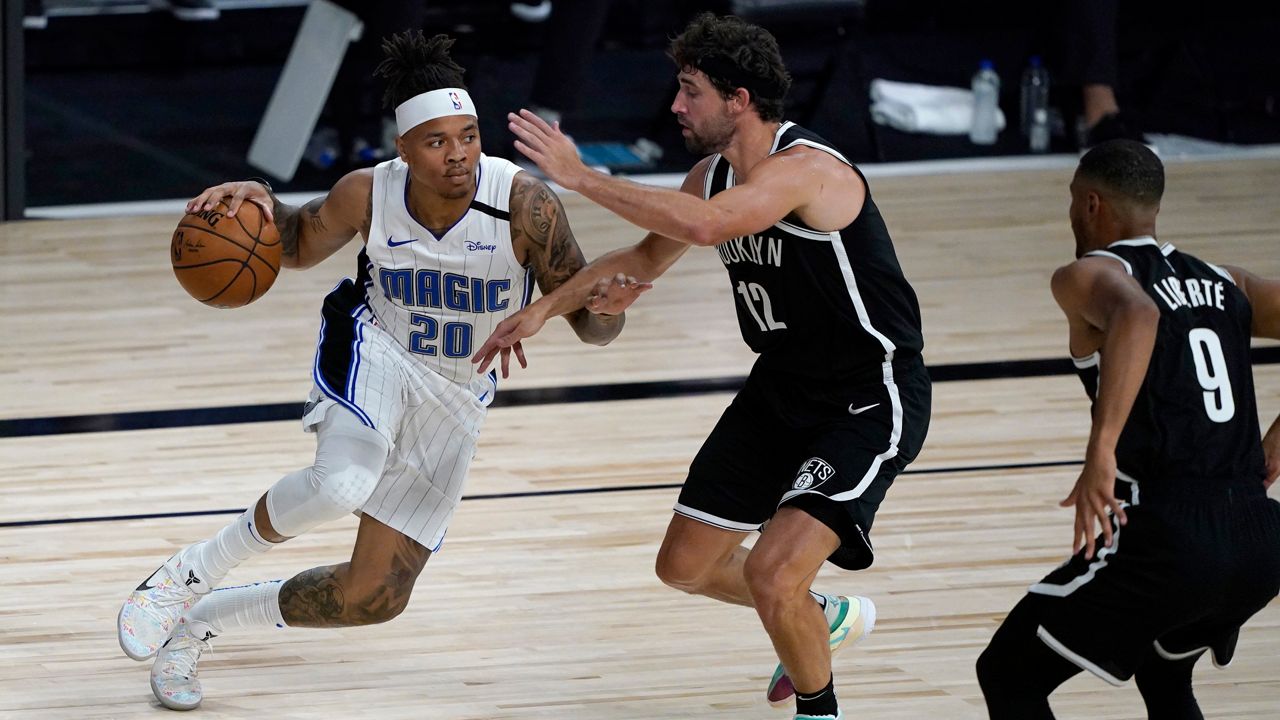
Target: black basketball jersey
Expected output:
[819,304]
[1195,418]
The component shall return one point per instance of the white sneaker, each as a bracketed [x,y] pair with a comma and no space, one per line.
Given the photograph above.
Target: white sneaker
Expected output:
[150,613]
[174,677]
[855,618]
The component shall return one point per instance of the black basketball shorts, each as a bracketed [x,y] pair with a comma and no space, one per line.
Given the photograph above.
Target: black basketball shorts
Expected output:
[832,452]
[1180,577]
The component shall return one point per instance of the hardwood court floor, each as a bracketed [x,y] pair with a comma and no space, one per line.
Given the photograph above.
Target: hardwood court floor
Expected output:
[543,603]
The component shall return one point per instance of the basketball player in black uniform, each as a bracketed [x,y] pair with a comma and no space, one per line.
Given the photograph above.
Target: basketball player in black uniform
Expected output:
[1192,547]
[838,401]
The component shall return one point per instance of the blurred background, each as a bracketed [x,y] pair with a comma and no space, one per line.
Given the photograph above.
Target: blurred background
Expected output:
[130,100]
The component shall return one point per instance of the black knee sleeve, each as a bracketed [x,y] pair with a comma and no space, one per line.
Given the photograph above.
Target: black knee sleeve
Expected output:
[1166,688]
[1017,671]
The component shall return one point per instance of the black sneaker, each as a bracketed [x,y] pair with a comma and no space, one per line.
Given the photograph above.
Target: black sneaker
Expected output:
[193,9]
[1115,126]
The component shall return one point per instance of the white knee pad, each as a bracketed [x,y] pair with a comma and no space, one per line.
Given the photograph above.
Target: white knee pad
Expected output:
[350,458]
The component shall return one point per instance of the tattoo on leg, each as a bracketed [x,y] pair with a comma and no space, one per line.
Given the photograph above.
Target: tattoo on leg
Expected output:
[313,598]
[329,597]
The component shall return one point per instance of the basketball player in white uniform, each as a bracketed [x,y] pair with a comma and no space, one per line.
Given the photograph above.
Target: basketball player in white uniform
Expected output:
[453,241]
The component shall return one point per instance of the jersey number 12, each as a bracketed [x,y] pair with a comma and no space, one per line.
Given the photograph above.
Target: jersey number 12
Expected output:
[1211,371]
[751,292]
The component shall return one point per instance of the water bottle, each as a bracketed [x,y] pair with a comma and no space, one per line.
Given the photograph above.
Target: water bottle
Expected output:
[986,94]
[322,149]
[1035,105]
[1038,135]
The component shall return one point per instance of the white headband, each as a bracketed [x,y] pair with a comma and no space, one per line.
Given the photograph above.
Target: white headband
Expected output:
[431,105]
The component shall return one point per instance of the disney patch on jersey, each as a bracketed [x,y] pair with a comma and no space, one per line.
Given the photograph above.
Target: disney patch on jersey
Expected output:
[813,473]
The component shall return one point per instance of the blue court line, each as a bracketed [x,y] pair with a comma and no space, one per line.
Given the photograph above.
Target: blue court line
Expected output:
[524,494]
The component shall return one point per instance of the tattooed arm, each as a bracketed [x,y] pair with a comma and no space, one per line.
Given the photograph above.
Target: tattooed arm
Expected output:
[599,290]
[541,235]
[310,233]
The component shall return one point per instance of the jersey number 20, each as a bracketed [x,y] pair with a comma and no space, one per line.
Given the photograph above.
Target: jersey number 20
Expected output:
[456,342]
[1211,370]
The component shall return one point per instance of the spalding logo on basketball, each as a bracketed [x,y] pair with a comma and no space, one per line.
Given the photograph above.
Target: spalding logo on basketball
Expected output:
[226,261]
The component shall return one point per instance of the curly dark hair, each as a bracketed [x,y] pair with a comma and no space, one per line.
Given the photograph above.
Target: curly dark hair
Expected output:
[415,64]
[734,54]
[1127,168]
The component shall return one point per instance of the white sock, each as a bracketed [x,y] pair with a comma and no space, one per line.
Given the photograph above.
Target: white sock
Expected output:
[244,606]
[238,541]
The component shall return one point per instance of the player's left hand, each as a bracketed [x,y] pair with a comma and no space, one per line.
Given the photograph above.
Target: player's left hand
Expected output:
[505,339]
[1093,493]
[549,148]
[1271,450]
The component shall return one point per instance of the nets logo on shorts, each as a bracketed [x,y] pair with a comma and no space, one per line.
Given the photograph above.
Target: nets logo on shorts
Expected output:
[813,473]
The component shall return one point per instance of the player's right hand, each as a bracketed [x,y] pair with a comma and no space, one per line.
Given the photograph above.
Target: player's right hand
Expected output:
[1092,496]
[612,295]
[237,191]
[506,338]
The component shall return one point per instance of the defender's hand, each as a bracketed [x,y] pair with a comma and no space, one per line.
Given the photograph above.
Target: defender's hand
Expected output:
[236,192]
[1093,493]
[613,295]
[549,148]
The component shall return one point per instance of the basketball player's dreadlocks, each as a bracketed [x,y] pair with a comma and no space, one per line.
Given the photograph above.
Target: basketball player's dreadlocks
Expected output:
[415,64]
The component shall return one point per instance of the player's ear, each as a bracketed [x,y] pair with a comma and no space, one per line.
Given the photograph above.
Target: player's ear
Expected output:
[400,148]
[1093,203]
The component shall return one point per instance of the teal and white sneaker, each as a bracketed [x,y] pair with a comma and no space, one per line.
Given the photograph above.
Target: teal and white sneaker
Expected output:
[854,619]
[174,677]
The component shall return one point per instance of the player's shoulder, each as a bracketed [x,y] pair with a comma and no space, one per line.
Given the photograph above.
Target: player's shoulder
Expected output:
[696,178]
[358,183]
[1084,273]
[529,191]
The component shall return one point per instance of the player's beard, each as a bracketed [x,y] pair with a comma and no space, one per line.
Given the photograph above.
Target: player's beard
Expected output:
[711,139]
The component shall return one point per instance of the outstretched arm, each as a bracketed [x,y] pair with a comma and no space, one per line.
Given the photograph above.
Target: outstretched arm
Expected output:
[539,226]
[1264,298]
[1101,301]
[310,233]
[777,186]
[606,287]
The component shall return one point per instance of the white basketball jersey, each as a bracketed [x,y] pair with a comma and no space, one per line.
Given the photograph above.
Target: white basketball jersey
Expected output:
[441,297]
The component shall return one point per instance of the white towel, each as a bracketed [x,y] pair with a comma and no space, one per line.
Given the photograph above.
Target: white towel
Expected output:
[926,109]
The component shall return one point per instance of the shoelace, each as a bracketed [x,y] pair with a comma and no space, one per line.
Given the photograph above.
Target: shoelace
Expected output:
[170,595]
[182,656]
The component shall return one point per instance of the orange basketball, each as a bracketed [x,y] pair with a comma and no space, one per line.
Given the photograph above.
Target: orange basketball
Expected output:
[226,262]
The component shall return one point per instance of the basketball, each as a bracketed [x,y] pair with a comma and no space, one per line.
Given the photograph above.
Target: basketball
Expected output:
[226,262]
